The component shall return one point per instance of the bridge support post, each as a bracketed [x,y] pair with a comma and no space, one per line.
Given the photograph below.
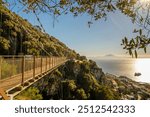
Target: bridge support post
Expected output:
[13,64]
[33,66]
[0,67]
[49,59]
[41,64]
[52,62]
[23,69]
[46,63]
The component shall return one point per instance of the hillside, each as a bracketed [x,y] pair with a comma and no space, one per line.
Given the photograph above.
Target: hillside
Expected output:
[79,78]
[18,36]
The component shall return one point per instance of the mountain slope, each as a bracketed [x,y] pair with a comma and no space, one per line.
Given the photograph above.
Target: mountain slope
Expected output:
[18,36]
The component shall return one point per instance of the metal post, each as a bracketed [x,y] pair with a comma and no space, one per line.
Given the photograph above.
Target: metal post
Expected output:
[23,68]
[49,63]
[13,65]
[41,64]
[46,63]
[52,61]
[33,66]
[0,68]
[56,61]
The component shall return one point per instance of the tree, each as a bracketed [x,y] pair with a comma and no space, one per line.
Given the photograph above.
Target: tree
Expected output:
[137,10]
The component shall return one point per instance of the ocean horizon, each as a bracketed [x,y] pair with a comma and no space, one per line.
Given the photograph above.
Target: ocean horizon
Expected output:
[126,67]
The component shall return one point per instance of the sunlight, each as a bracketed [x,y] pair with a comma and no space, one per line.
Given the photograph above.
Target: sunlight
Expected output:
[142,66]
[145,1]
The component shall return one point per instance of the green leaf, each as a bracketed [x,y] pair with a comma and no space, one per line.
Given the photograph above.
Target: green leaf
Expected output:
[140,31]
[137,40]
[135,31]
[130,51]
[122,41]
[145,49]
[135,54]
[126,40]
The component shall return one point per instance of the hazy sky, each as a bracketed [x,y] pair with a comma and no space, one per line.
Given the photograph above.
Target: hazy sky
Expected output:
[104,37]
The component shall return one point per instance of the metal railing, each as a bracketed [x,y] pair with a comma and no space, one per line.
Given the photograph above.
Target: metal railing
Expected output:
[15,70]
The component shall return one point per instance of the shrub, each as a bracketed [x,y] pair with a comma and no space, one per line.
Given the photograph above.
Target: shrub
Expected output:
[31,93]
[72,85]
[80,94]
[6,67]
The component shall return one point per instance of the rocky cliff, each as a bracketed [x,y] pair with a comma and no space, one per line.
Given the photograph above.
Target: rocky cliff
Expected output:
[127,88]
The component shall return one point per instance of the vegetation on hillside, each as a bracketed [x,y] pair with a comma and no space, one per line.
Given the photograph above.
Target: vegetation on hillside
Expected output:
[136,10]
[18,36]
[31,93]
[75,81]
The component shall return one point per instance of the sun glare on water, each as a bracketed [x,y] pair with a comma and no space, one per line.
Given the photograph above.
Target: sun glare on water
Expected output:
[145,1]
[143,66]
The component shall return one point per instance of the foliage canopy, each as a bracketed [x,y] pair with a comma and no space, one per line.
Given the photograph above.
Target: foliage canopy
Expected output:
[137,10]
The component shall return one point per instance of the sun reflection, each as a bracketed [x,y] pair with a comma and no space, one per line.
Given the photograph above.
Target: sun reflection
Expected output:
[145,0]
[143,66]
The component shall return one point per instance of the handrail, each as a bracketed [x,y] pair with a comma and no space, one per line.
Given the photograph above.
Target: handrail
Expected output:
[17,69]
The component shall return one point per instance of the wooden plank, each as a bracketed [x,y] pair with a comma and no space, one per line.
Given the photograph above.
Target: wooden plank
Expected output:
[2,93]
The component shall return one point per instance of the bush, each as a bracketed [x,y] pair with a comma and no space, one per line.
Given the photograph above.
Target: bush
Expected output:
[31,93]
[85,67]
[103,93]
[72,85]
[80,94]
[6,68]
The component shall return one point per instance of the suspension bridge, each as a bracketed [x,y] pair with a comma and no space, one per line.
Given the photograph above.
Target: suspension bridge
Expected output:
[19,72]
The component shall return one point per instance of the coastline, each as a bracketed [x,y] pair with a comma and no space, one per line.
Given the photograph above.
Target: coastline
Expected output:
[128,88]
[125,77]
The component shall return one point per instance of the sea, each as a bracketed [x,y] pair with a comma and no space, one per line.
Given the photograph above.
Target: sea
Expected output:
[126,67]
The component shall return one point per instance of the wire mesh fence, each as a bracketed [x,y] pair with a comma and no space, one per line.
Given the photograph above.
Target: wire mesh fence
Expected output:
[18,69]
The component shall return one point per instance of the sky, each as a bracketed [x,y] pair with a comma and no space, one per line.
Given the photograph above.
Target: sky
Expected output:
[102,38]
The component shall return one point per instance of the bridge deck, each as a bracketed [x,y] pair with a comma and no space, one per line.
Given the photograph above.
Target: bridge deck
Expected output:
[16,71]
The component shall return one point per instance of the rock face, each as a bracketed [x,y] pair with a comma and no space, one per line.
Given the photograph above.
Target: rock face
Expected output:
[123,87]
[127,88]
